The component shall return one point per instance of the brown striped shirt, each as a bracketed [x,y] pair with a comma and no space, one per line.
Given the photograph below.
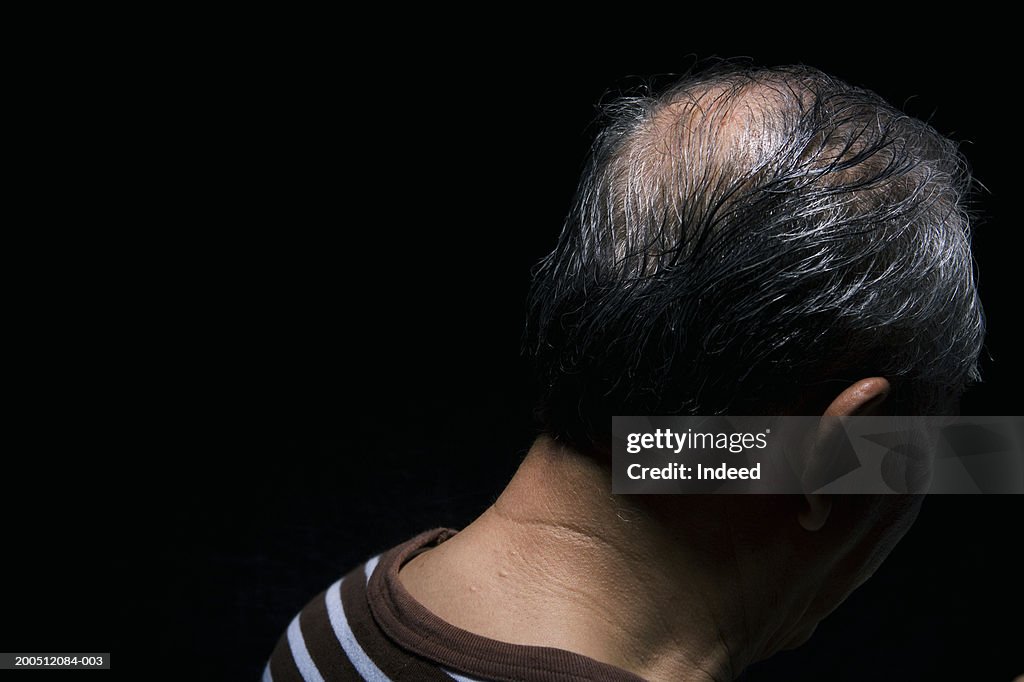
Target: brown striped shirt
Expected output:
[367,626]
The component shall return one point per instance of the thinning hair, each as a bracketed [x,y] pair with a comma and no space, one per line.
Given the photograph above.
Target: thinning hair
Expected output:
[743,240]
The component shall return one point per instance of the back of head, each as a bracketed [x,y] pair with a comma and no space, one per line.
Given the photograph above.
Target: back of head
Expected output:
[746,240]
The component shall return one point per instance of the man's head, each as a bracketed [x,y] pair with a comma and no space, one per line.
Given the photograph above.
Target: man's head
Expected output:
[753,241]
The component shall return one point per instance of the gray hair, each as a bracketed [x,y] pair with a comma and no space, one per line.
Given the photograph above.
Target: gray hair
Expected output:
[746,238]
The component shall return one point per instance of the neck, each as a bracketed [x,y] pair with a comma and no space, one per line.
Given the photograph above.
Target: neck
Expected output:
[574,567]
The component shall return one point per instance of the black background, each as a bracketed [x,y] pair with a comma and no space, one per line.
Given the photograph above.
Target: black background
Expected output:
[300,346]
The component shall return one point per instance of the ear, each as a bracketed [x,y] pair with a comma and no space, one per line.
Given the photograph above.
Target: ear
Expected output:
[863,398]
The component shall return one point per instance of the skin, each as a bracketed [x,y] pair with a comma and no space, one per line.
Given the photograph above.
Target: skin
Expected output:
[668,587]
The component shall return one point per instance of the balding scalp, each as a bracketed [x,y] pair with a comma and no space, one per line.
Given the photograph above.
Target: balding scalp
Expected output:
[750,233]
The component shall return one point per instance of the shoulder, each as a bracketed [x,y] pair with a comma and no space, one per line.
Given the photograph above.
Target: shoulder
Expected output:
[314,644]
[335,636]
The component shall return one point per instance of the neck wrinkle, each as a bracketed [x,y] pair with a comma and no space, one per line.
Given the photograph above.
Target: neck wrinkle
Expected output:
[617,542]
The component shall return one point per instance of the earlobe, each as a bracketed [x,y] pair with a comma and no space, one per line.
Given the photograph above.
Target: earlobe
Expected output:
[815,514]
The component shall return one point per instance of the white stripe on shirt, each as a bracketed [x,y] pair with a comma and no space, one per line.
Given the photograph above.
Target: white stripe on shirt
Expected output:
[302,659]
[370,566]
[360,661]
